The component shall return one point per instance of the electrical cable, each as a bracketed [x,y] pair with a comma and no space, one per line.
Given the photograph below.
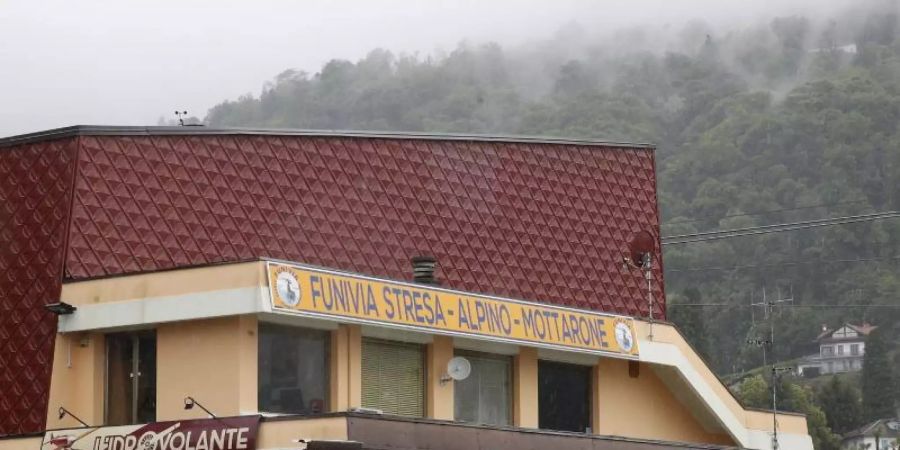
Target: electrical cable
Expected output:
[762,213]
[782,264]
[775,228]
[820,305]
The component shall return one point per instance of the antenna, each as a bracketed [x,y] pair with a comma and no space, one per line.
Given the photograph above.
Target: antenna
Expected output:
[640,256]
[769,314]
[181,116]
[776,372]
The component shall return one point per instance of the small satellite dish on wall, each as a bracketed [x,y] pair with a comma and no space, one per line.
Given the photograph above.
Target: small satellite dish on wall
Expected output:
[640,249]
[458,369]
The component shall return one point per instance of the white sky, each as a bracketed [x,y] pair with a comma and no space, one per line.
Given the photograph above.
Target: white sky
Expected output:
[128,62]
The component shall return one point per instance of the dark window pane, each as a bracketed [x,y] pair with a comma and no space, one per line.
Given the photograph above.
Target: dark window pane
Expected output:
[146,381]
[293,369]
[484,397]
[564,396]
[131,378]
[119,382]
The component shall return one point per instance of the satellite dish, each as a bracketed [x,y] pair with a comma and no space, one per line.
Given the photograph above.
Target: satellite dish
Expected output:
[640,248]
[458,368]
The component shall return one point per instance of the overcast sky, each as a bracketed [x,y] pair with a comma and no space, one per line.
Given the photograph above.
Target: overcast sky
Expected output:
[129,62]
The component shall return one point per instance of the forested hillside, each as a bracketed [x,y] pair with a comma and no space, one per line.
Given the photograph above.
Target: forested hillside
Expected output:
[786,119]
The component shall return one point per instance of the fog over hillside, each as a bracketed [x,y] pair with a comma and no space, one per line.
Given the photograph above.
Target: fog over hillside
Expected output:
[764,112]
[765,120]
[100,61]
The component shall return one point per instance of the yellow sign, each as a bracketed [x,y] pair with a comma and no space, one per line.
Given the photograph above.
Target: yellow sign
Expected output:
[317,292]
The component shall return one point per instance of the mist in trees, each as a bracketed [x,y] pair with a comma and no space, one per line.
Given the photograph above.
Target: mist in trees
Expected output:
[779,120]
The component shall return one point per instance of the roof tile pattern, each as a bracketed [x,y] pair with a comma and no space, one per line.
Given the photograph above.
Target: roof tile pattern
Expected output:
[536,221]
[35,183]
[540,222]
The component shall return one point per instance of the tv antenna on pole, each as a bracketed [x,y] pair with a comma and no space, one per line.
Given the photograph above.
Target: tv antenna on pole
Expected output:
[181,116]
[769,313]
[640,256]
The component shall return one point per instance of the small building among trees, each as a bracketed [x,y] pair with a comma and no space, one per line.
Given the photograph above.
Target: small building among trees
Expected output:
[840,350]
[882,434]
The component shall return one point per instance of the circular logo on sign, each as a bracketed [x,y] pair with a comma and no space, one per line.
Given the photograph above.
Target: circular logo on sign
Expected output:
[288,288]
[624,336]
[147,441]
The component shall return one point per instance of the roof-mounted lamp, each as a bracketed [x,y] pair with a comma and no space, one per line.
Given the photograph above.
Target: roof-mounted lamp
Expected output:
[63,412]
[189,403]
[60,308]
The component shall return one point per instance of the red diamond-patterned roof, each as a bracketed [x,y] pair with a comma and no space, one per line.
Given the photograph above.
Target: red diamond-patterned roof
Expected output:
[537,220]
[35,198]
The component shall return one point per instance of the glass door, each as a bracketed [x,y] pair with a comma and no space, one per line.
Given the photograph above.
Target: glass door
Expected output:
[130,378]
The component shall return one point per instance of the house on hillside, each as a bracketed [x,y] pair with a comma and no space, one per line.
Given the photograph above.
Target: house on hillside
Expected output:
[840,350]
[883,434]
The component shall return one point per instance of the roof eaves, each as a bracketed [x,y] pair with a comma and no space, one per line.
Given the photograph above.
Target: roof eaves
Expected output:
[102,130]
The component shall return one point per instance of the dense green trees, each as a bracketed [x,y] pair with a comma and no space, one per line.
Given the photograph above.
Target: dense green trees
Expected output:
[783,120]
[690,319]
[755,392]
[878,388]
[841,404]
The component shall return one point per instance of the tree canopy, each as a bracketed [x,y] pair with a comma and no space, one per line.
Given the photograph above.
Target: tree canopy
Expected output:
[784,120]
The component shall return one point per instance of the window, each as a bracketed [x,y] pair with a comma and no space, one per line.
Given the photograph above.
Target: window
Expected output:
[484,397]
[293,369]
[393,377]
[564,396]
[840,350]
[827,351]
[130,378]
[854,349]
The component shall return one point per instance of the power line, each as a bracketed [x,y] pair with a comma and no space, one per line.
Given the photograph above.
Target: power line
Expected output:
[783,264]
[775,228]
[779,226]
[762,213]
[820,305]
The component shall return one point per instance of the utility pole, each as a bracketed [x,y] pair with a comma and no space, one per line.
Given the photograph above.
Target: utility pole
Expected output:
[769,313]
[776,372]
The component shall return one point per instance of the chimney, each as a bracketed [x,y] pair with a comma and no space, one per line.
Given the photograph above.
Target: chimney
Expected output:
[423,269]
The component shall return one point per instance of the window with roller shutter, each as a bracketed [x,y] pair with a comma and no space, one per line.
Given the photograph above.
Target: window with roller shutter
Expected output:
[393,377]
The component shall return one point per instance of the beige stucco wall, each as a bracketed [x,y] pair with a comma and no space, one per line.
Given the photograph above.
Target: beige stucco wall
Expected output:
[345,383]
[77,379]
[643,407]
[787,423]
[754,420]
[214,361]
[283,434]
[165,283]
[439,396]
[525,385]
[27,443]
[666,333]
